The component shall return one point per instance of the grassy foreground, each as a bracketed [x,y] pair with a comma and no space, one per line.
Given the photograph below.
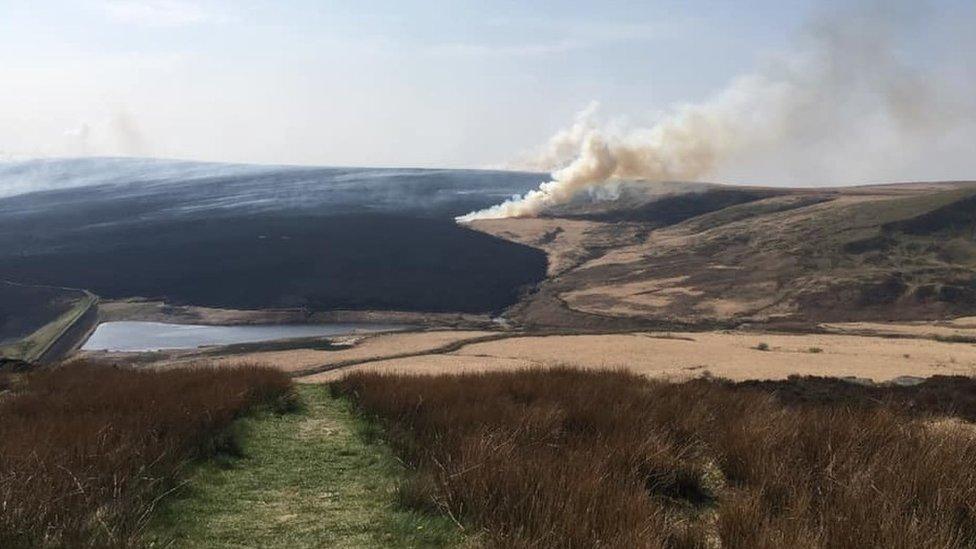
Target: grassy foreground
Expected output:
[315,478]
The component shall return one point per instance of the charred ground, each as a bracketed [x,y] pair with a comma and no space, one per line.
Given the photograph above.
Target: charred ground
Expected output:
[262,237]
[24,309]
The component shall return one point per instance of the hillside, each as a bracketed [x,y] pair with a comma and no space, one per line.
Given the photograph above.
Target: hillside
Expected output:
[731,255]
[646,255]
[254,237]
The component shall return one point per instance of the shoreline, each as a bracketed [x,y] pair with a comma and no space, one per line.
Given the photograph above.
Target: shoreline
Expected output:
[145,310]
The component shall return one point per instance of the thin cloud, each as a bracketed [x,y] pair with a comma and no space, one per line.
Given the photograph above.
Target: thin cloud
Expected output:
[157,13]
[516,50]
[603,31]
[576,36]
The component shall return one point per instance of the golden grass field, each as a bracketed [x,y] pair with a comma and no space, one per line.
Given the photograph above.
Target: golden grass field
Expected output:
[679,355]
[732,354]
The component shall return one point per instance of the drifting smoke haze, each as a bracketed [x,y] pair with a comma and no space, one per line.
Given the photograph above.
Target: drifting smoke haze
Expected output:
[845,108]
[117,134]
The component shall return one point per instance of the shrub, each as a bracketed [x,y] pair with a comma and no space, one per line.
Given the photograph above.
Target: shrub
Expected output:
[815,350]
[568,458]
[762,347]
[86,451]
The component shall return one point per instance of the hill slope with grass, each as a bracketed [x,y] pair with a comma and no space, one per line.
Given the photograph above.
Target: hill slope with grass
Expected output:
[725,256]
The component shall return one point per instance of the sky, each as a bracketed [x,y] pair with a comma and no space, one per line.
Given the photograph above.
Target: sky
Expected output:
[384,83]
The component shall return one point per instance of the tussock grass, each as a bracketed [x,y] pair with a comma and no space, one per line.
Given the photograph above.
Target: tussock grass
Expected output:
[570,458]
[953,396]
[6,382]
[87,451]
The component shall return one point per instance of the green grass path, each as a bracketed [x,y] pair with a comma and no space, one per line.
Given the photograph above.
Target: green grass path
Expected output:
[306,479]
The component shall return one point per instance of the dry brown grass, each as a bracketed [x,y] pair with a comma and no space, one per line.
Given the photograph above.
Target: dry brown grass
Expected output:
[87,451]
[6,382]
[681,355]
[946,396]
[570,458]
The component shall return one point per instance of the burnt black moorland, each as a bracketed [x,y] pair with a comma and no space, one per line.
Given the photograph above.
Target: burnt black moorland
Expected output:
[257,237]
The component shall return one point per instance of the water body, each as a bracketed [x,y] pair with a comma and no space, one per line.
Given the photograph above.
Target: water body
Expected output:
[132,336]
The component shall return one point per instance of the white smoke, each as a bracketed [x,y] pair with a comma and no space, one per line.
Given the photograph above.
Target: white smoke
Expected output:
[115,134]
[846,106]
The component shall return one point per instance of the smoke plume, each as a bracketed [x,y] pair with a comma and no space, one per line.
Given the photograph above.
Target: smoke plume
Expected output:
[116,134]
[843,107]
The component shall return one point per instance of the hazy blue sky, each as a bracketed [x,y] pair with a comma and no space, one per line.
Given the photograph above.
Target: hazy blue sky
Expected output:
[401,82]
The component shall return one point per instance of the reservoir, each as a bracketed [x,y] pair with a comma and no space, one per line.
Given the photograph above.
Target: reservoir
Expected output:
[132,336]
